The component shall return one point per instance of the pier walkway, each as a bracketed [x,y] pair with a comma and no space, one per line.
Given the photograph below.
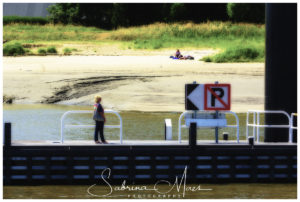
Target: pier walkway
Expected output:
[137,143]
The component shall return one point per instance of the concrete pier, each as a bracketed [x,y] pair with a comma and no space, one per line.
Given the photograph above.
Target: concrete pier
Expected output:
[82,162]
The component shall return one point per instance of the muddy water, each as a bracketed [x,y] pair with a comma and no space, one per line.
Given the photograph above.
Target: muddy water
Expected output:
[42,122]
[206,191]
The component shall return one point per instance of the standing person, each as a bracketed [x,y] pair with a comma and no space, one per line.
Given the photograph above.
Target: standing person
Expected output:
[99,118]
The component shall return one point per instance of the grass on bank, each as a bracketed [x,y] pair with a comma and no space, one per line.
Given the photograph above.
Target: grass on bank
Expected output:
[49,32]
[25,20]
[67,51]
[13,49]
[226,36]
[237,54]
[42,51]
[52,50]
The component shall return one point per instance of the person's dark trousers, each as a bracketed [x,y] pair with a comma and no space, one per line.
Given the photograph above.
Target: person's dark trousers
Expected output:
[99,129]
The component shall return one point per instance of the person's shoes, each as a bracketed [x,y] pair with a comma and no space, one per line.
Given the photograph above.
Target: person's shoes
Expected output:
[105,142]
[98,142]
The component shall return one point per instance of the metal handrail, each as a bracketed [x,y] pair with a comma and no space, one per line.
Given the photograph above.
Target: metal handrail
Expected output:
[292,127]
[179,126]
[88,126]
[227,126]
[292,120]
[256,122]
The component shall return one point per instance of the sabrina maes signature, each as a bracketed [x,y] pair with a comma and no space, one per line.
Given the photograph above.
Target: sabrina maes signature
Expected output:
[179,186]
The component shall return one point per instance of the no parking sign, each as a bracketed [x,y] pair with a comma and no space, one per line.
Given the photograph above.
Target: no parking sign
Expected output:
[207,96]
[217,97]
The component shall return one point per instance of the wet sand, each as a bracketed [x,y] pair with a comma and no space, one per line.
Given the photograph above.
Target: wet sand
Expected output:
[128,82]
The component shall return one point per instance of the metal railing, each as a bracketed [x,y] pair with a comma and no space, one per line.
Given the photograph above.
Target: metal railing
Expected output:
[89,126]
[227,126]
[256,123]
[292,127]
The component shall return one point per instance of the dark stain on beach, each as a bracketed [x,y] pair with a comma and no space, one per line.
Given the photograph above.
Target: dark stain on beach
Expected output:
[87,86]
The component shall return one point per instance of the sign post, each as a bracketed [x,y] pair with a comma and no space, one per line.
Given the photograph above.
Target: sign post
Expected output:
[194,91]
[208,97]
[217,128]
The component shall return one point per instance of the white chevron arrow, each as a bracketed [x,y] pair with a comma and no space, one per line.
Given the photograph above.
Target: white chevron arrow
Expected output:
[197,97]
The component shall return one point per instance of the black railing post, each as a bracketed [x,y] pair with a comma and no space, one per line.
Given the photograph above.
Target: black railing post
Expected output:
[7,134]
[193,135]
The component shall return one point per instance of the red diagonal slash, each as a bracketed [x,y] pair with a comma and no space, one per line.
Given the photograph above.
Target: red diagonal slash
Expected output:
[216,96]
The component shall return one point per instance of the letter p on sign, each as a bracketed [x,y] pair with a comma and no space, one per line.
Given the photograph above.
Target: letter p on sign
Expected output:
[217,97]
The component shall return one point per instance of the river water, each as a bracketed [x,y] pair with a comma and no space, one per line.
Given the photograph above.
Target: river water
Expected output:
[42,122]
[210,191]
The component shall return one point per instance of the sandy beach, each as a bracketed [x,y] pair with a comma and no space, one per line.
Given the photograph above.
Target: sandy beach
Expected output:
[145,82]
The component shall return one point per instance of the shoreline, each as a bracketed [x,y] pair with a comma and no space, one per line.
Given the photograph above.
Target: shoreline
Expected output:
[153,83]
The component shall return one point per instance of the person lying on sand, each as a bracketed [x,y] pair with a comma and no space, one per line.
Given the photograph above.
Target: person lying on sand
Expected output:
[188,57]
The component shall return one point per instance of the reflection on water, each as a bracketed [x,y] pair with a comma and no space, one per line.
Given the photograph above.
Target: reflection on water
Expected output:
[42,122]
[218,191]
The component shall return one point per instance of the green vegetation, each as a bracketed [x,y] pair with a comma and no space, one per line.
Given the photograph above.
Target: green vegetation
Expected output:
[52,50]
[25,20]
[67,51]
[238,54]
[218,35]
[246,12]
[204,35]
[178,11]
[42,51]
[134,26]
[64,13]
[115,15]
[31,33]
[224,36]
[13,49]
